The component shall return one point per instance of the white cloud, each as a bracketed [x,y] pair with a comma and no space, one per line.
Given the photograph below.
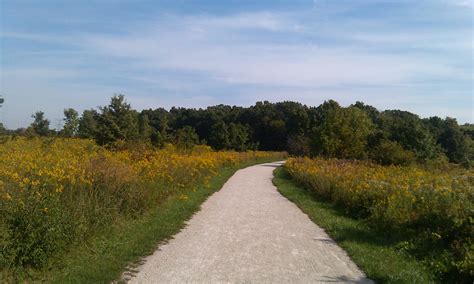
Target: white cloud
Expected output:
[212,45]
[462,3]
[263,51]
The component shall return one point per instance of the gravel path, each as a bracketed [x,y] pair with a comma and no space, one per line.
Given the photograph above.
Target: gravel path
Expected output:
[249,233]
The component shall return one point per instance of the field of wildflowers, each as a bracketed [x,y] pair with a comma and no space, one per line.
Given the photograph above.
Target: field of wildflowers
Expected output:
[55,192]
[432,208]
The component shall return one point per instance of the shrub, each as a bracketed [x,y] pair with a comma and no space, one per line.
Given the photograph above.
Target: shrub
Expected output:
[433,210]
[57,191]
[392,153]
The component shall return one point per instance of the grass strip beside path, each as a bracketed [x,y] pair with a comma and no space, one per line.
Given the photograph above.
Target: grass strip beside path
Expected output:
[375,253]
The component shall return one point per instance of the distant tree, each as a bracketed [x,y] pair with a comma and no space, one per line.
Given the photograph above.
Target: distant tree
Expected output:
[320,114]
[158,119]
[295,116]
[268,126]
[40,125]
[454,142]
[343,133]
[391,153]
[185,138]
[87,124]
[468,129]
[299,145]
[3,130]
[239,137]
[144,129]
[219,136]
[409,131]
[117,121]
[371,111]
[160,129]
[71,123]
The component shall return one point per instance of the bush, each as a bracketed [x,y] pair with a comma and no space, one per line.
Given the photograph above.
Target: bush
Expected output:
[299,145]
[433,210]
[57,191]
[392,153]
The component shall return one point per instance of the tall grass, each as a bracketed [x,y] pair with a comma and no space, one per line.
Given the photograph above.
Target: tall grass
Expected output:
[432,210]
[55,192]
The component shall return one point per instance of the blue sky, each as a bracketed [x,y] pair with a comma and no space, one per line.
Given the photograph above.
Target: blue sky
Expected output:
[410,55]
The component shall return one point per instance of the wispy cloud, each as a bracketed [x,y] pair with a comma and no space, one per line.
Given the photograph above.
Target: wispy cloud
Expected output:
[350,51]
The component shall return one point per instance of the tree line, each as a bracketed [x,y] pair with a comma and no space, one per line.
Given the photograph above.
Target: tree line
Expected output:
[358,131]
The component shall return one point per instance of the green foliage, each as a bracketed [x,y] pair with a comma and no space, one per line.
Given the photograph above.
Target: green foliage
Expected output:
[451,138]
[40,125]
[87,124]
[71,122]
[371,111]
[144,129]
[3,130]
[185,138]
[33,232]
[229,136]
[219,138]
[342,133]
[391,153]
[431,211]
[238,137]
[468,129]
[117,121]
[356,132]
[378,254]
[299,145]
[408,130]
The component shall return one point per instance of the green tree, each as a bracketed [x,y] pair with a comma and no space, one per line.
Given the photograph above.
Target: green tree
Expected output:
[343,133]
[468,129]
[185,138]
[117,121]
[158,121]
[239,137]
[3,130]
[40,125]
[71,122]
[320,114]
[391,153]
[144,129]
[268,126]
[409,131]
[87,124]
[454,142]
[371,111]
[299,145]
[219,137]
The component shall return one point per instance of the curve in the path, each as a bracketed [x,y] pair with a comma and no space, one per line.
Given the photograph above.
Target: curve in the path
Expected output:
[249,233]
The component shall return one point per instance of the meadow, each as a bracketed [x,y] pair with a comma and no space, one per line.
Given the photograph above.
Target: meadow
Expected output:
[429,211]
[58,192]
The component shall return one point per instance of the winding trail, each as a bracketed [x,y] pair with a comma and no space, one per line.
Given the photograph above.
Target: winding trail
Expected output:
[249,233]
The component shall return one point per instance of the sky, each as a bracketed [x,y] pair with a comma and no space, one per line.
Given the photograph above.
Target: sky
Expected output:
[403,54]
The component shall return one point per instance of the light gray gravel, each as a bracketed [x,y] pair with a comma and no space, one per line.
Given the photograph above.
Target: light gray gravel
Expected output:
[249,233]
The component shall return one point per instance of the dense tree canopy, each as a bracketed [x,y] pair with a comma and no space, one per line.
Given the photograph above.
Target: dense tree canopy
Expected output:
[71,122]
[343,133]
[356,132]
[40,125]
[117,121]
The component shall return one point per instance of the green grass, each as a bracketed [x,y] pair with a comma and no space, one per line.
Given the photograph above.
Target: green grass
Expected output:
[379,255]
[107,255]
